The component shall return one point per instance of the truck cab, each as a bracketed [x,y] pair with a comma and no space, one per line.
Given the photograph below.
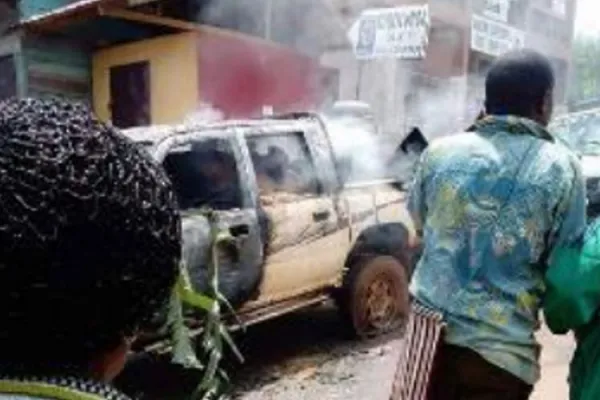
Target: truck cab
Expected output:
[303,235]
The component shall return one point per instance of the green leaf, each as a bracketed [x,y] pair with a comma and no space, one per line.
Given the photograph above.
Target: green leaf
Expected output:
[214,381]
[225,334]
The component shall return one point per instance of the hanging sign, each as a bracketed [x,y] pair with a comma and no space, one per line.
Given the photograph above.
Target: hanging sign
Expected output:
[400,32]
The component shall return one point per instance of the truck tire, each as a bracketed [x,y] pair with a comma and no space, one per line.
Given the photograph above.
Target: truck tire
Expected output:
[375,299]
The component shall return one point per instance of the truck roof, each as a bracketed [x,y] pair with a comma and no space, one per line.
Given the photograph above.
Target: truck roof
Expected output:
[153,134]
[576,114]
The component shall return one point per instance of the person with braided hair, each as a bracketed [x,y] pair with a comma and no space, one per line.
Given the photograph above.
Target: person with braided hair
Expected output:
[90,239]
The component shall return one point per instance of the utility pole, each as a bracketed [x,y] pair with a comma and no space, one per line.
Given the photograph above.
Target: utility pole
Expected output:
[268,18]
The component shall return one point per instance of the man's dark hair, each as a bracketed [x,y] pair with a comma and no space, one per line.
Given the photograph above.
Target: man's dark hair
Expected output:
[89,237]
[517,83]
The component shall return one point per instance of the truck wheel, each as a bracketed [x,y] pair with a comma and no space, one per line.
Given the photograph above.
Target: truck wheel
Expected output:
[377,299]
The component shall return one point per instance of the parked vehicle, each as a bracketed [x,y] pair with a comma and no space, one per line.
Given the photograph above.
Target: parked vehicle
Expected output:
[303,236]
[580,131]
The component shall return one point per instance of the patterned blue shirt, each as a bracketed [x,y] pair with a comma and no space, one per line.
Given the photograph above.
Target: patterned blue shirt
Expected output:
[492,203]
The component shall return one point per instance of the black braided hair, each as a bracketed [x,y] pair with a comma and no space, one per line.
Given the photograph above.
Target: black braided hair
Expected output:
[89,236]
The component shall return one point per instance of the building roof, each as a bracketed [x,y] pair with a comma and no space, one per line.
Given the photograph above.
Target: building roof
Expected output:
[71,9]
[80,13]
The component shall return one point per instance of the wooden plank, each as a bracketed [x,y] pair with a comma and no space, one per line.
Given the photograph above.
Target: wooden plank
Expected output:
[58,84]
[59,70]
[77,59]
[57,66]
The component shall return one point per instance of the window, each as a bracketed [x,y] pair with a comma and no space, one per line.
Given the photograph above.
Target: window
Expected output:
[205,174]
[8,77]
[548,25]
[283,165]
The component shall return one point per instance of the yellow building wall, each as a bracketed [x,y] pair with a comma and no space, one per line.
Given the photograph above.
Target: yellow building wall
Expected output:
[173,75]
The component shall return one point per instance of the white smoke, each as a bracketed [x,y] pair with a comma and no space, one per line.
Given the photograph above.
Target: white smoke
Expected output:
[442,107]
[354,143]
[445,107]
[304,25]
[205,113]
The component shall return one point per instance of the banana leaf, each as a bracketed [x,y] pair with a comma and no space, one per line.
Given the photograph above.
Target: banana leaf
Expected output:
[214,381]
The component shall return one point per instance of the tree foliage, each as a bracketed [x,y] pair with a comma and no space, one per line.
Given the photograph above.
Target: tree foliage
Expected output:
[585,69]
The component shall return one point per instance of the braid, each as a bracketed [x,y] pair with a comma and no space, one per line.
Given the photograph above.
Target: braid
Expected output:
[89,232]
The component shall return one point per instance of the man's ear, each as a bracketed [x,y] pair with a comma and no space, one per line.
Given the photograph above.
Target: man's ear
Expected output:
[542,109]
[547,107]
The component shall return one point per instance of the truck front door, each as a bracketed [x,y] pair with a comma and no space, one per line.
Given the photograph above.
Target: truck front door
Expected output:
[207,174]
[305,247]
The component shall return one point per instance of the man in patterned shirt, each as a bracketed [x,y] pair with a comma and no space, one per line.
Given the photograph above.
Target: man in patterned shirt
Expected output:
[491,204]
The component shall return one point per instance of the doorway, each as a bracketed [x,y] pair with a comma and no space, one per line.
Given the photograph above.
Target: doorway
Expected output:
[8,77]
[130,94]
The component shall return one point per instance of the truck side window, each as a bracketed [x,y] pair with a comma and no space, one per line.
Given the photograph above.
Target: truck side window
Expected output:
[204,174]
[283,165]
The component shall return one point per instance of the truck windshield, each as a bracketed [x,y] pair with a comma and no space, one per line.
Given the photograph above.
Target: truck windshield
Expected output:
[205,175]
[580,131]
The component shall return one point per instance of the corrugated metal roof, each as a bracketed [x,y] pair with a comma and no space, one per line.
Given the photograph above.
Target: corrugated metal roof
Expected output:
[72,8]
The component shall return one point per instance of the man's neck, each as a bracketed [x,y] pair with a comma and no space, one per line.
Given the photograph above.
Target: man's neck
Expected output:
[512,124]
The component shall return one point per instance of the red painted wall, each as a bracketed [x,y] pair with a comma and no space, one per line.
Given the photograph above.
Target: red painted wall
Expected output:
[239,75]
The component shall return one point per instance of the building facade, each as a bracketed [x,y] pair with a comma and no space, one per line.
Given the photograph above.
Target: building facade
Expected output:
[142,62]
[444,91]
[294,53]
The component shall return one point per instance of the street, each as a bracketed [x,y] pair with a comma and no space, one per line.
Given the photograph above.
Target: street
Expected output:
[308,356]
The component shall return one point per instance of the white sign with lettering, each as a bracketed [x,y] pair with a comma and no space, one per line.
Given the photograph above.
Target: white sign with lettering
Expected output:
[494,38]
[497,9]
[400,32]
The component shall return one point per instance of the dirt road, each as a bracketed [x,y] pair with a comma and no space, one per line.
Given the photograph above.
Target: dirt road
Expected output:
[307,356]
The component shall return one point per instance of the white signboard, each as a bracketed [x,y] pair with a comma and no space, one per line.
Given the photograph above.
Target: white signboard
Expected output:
[494,38]
[400,32]
[497,9]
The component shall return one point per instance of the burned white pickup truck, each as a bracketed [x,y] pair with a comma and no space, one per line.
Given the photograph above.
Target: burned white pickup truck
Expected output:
[302,236]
